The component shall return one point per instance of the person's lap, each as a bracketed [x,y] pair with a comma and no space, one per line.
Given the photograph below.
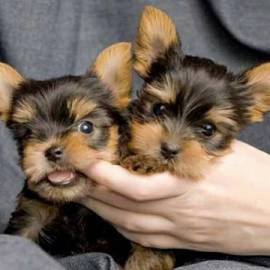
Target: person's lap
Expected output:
[18,253]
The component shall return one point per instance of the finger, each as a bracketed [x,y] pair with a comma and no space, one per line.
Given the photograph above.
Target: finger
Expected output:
[130,221]
[111,198]
[161,241]
[137,187]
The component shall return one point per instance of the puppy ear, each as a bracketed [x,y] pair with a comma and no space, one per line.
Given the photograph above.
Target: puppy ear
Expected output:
[113,66]
[9,80]
[156,36]
[258,82]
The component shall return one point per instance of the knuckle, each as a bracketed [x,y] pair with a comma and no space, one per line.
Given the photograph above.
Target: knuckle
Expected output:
[141,194]
[144,242]
[130,225]
[200,238]
[154,243]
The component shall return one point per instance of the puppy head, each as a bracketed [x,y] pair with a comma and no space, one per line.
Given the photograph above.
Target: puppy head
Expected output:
[63,125]
[189,108]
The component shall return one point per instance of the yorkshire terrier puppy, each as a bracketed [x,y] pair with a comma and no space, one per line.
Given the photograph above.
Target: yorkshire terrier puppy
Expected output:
[187,113]
[62,125]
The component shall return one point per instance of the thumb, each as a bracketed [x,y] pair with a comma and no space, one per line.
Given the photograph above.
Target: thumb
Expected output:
[137,187]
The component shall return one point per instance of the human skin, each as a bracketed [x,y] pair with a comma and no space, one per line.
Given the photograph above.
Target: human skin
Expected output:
[227,211]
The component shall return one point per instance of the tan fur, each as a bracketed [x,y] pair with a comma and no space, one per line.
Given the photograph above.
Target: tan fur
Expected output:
[39,214]
[164,91]
[193,161]
[37,167]
[77,150]
[147,259]
[142,164]
[61,194]
[80,107]
[34,162]
[145,142]
[78,155]
[259,83]
[9,79]
[23,112]
[259,74]
[221,115]
[113,66]
[146,138]
[156,33]
[111,152]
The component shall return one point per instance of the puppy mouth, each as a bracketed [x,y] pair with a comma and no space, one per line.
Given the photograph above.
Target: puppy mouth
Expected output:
[63,178]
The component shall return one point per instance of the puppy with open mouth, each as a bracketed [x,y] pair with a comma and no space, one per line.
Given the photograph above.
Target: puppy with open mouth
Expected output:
[62,125]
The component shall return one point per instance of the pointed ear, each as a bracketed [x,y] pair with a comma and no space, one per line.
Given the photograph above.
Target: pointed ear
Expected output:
[258,82]
[113,66]
[156,36]
[9,80]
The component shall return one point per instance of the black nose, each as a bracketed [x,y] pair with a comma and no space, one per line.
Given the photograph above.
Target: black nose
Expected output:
[54,153]
[169,151]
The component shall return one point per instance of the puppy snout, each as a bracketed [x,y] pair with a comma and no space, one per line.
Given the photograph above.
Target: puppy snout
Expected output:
[169,150]
[54,153]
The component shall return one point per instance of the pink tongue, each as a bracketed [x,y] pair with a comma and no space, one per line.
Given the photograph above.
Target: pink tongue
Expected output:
[60,176]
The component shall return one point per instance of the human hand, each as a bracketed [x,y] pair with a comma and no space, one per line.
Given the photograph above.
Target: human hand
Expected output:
[226,211]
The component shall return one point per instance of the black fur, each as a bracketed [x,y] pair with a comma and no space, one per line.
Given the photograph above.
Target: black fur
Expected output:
[74,229]
[199,86]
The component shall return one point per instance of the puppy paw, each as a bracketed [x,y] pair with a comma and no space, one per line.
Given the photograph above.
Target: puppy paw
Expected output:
[143,258]
[142,165]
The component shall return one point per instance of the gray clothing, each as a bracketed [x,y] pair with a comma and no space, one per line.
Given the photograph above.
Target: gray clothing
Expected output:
[17,253]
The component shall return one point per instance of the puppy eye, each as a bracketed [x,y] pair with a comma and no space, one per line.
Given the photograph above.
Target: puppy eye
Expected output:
[85,127]
[208,129]
[159,109]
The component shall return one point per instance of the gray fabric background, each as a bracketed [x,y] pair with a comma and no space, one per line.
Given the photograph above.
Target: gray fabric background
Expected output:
[50,38]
